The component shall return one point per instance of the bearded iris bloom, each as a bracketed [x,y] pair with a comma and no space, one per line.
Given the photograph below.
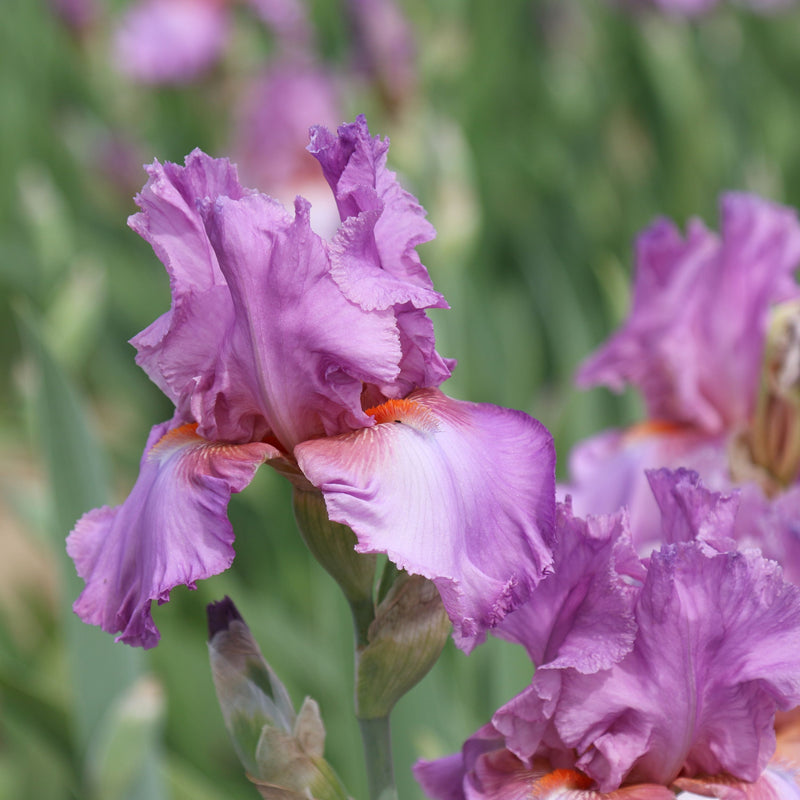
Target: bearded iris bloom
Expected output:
[679,695]
[317,357]
[709,344]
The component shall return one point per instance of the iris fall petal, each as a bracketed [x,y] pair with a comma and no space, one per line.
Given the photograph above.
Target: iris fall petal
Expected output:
[459,492]
[172,529]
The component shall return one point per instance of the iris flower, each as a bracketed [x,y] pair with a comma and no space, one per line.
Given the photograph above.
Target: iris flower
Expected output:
[317,357]
[679,695]
[709,313]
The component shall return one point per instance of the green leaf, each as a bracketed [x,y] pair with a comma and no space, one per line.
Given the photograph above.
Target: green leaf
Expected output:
[101,671]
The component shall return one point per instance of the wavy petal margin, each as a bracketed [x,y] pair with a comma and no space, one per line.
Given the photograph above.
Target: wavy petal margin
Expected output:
[716,655]
[462,493]
[172,529]
[581,615]
[694,339]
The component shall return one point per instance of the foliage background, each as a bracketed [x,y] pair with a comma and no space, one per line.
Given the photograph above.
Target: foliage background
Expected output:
[542,136]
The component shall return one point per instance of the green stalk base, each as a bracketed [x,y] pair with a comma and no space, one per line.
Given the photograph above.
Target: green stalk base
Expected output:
[376,737]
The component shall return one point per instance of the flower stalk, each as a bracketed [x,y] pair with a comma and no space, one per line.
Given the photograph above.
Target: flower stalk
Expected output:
[376,737]
[400,626]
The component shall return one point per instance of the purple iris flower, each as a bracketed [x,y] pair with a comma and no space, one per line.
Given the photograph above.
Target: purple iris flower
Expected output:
[684,700]
[695,346]
[318,357]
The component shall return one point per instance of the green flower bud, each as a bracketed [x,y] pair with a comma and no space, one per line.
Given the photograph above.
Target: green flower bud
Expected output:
[281,751]
[403,642]
[769,452]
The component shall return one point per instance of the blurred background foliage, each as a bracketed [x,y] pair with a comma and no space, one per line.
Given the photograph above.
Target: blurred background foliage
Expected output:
[541,135]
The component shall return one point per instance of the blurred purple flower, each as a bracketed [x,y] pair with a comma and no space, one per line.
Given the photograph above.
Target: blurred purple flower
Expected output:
[171,41]
[77,15]
[283,347]
[694,345]
[176,41]
[687,705]
[385,47]
[274,156]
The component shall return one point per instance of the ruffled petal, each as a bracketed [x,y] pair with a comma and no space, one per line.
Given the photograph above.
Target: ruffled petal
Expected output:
[608,471]
[694,340]
[581,615]
[716,654]
[373,256]
[170,41]
[375,259]
[461,493]
[771,524]
[188,351]
[261,341]
[303,349]
[691,512]
[172,529]
[527,720]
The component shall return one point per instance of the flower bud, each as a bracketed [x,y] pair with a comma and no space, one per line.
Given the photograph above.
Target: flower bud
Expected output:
[774,436]
[403,642]
[281,751]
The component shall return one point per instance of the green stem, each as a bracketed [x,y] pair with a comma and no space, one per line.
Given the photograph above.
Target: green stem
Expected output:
[363,612]
[377,741]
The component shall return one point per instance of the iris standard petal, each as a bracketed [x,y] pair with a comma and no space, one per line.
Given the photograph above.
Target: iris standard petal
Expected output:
[691,512]
[694,339]
[171,530]
[374,255]
[772,525]
[305,351]
[186,352]
[459,492]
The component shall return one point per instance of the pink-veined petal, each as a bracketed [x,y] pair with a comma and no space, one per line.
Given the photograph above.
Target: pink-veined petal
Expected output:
[462,493]
[172,529]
